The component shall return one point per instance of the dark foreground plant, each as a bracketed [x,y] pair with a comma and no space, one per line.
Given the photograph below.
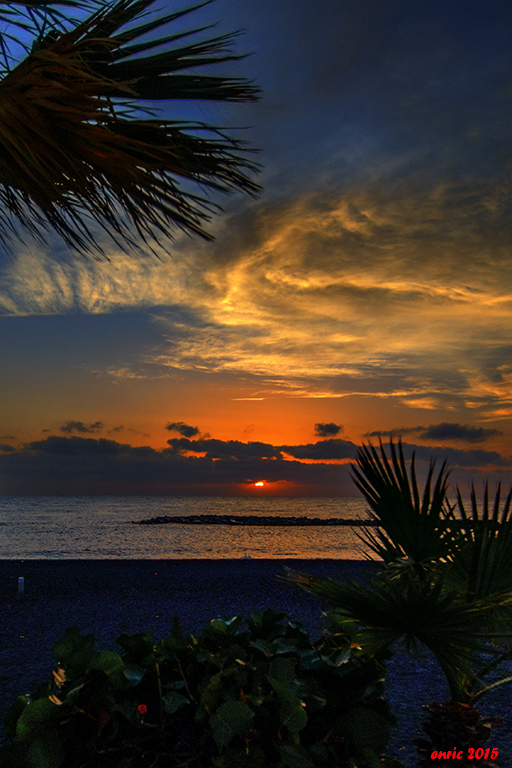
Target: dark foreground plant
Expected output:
[80,141]
[445,579]
[414,528]
[257,694]
[411,608]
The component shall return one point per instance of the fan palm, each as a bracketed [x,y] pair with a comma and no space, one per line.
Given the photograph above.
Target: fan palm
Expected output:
[446,582]
[412,527]
[484,560]
[77,145]
[413,608]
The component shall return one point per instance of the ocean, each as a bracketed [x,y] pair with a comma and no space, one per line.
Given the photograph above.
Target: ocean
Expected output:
[100,527]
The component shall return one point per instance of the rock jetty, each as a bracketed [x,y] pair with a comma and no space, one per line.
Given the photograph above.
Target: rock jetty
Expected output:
[248,520]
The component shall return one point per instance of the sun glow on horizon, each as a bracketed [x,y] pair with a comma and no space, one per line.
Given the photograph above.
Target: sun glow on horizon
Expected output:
[260,484]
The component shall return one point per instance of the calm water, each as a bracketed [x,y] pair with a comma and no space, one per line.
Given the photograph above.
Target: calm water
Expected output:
[92,527]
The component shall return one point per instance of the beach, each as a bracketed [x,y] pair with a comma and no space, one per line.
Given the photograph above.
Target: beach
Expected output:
[110,597]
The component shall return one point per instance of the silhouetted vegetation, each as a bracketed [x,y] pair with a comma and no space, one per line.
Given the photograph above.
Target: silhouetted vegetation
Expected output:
[255,693]
[445,579]
[80,141]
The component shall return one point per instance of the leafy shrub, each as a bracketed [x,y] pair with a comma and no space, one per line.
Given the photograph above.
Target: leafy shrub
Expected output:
[256,693]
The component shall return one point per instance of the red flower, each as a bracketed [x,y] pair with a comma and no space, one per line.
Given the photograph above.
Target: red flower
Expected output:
[142,709]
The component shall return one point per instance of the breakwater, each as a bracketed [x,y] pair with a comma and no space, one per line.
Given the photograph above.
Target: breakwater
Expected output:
[249,520]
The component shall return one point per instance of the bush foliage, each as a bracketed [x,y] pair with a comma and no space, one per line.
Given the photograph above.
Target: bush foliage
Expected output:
[252,693]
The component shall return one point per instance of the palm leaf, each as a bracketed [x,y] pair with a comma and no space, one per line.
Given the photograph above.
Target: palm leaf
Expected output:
[484,562]
[415,609]
[410,525]
[34,18]
[74,149]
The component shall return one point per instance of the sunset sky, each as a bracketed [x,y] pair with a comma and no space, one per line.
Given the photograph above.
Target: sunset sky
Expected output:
[366,292]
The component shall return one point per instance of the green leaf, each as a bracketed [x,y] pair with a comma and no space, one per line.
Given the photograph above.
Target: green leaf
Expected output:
[108,661]
[74,653]
[292,714]
[233,718]
[173,701]
[133,673]
[367,734]
[139,647]
[13,714]
[251,755]
[224,626]
[295,756]
[113,666]
[46,751]
[34,715]
[283,669]
[128,708]
[212,694]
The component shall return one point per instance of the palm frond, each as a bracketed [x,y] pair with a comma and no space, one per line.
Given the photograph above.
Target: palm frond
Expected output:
[415,609]
[74,149]
[410,525]
[35,19]
[484,561]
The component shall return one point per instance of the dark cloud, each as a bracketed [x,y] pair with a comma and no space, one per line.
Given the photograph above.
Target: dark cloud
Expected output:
[184,429]
[121,428]
[6,448]
[85,465]
[392,432]
[7,437]
[474,458]
[226,449]
[79,426]
[328,430]
[443,431]
[77,446]
[446,431]
[327,449]
[78,465]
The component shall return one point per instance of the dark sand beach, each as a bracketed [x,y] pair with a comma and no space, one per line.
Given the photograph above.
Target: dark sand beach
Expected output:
[108,597]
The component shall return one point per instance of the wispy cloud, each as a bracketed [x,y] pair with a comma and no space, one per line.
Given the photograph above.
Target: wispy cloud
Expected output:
[384,290]
[401,296]
[121,428]
[440,432]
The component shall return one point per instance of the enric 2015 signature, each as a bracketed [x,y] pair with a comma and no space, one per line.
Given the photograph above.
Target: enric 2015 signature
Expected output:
[473,754]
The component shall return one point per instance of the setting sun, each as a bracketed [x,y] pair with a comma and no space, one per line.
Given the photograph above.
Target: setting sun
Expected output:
[260,483]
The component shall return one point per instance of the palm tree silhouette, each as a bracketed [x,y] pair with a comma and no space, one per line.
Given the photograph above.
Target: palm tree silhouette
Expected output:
[81,144]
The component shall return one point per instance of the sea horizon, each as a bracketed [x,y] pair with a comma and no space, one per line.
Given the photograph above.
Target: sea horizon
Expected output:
[101,527]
